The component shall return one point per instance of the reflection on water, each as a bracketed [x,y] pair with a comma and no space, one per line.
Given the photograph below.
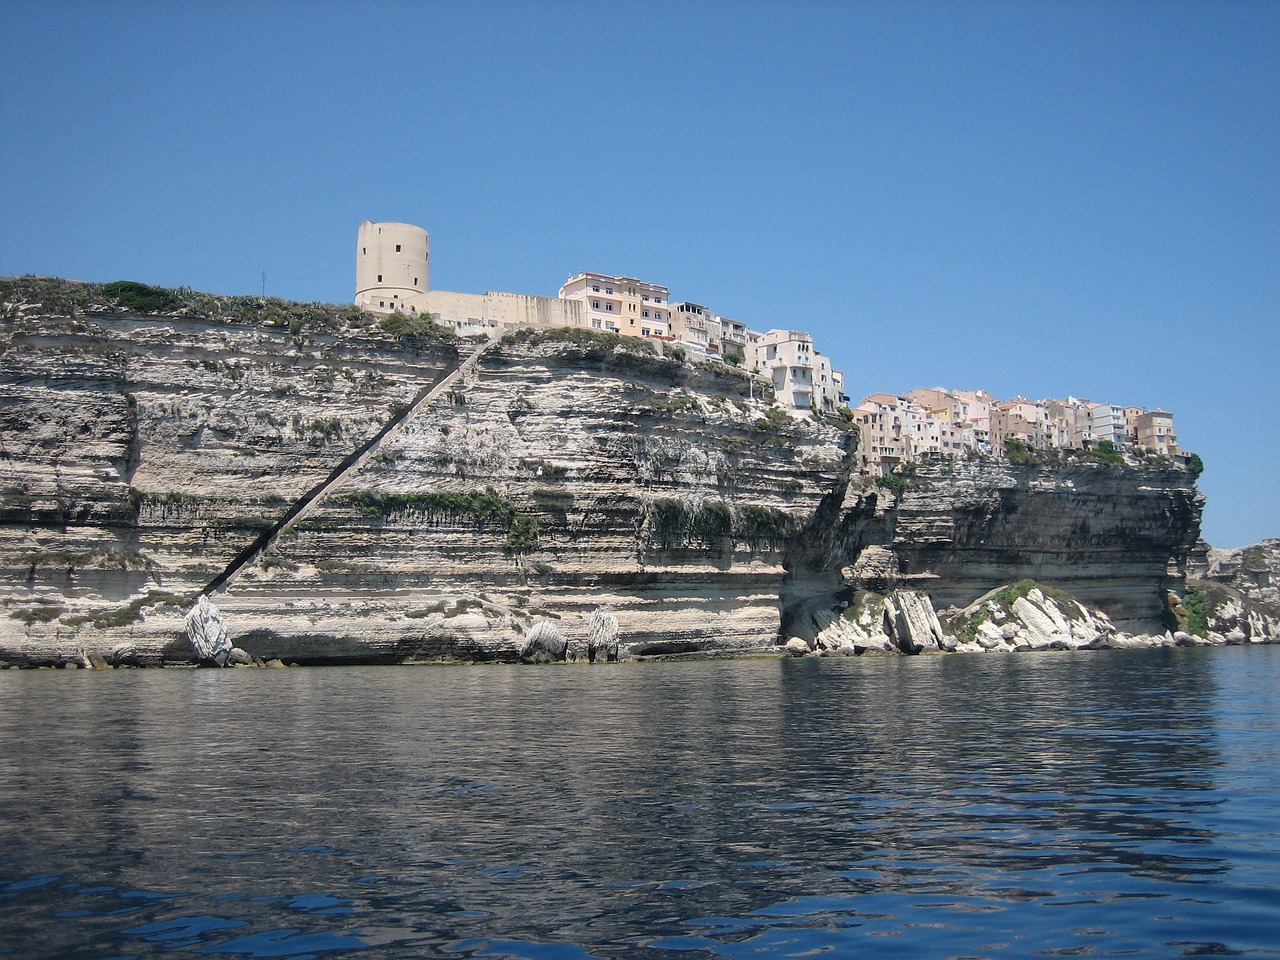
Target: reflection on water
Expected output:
[1109,804]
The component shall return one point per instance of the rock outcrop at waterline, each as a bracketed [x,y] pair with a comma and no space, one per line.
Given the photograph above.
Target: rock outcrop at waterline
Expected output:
[1235,597]
[564,474]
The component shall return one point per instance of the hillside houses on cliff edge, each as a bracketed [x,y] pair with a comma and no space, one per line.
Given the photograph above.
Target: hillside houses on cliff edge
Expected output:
[392,273]
[895,429]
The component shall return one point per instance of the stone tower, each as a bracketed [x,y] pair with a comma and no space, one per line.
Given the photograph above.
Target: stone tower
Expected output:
[392,261]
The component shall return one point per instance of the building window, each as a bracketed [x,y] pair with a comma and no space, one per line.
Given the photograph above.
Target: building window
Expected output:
[608,289]
[608,306]
[645,331]
[379,278]
[645,312]
[646,296]
[397,248]
[596,324]
[415,281]
[595,304]
[595,289]
[364,251]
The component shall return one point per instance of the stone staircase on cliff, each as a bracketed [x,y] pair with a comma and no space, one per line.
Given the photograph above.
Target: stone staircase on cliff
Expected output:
[349,465]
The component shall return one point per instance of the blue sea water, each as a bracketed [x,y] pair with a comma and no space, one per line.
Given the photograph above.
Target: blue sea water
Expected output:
[1118,803]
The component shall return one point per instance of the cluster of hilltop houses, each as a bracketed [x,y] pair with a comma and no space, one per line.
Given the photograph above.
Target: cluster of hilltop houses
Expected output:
[895,429]
[392,267]
[392,261]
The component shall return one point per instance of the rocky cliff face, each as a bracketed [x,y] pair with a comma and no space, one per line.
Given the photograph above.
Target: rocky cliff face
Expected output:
[562,474]
[1115,538]
[1236,596]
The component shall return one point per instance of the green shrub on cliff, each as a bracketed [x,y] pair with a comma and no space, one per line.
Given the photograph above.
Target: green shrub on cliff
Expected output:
[1015,451]
[965,628]
[411,325]
[486,509]
[43,612]
[61,297]
[141,296]
[522,536]
[666,521]
[763,526]
[1195,619]
[671,524]
[598,342]
[892,482]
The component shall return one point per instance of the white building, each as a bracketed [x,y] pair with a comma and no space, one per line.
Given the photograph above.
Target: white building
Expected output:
[787,358]
[1106,422]
[828,385]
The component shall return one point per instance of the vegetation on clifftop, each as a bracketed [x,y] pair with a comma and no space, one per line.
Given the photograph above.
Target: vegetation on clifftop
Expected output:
[20,296]
[1105,453]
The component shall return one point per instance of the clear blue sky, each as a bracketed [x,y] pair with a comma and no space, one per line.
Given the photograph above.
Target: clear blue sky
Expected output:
[1036,198]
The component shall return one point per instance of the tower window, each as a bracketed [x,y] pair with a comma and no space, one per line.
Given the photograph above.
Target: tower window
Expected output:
[379,278]
[397,248]
[415,281]
[364,251]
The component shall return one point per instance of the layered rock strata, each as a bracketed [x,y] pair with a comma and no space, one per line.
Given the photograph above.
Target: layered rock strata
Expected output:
[1236,597]
[564,478]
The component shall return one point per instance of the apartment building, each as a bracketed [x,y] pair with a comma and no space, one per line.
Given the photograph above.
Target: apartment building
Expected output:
[1106,421]
[787,358]
[1070,423]
[733,340]
[1155,432]
[1131,415]
[967,411]
[696,328]
[625,305]
[828,385]
[885,423]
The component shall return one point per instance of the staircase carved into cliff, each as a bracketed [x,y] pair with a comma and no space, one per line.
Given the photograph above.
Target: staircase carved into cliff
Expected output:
[349,465]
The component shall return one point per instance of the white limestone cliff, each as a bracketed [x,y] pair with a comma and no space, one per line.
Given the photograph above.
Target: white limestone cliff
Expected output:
[565,473]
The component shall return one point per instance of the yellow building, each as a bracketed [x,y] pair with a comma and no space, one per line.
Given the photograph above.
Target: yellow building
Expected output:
[1155,431]
[625,305]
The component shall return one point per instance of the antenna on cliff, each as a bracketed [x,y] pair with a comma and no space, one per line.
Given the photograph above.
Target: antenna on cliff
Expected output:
[264,283]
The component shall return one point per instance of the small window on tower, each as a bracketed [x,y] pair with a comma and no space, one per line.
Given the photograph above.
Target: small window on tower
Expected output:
[379,278]
[415,281]
[397,248]
[364,251]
